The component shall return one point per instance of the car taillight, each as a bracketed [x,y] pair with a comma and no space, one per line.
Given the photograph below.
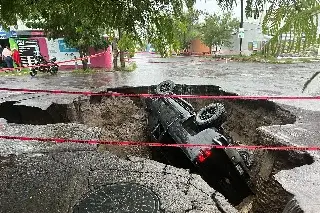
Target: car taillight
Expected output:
[203,155]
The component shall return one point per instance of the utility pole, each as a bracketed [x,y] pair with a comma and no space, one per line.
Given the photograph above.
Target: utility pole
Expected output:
[241,24]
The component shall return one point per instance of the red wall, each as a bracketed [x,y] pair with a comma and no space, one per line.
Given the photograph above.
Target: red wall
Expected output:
[101,61]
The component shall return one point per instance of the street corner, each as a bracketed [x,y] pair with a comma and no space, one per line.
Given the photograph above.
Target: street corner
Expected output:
[304,184]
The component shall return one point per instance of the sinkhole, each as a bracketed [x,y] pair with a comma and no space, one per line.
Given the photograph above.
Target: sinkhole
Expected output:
[125,119]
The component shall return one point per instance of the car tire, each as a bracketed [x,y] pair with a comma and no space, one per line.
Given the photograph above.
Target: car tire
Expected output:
[33,72]
[213,114]
[53,70]
[247,157]
[165,87]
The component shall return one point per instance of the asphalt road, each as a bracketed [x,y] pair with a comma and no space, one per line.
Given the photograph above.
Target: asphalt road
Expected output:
[49,177]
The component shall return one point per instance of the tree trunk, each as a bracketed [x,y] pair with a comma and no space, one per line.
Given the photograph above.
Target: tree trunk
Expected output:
[83,54]
[115,54]
[284,44]
[122,60]
[215,54]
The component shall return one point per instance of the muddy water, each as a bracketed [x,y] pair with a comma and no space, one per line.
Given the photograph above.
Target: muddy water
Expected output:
[241,78]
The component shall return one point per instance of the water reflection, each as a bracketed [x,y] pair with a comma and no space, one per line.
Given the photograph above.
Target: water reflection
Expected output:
[243,78]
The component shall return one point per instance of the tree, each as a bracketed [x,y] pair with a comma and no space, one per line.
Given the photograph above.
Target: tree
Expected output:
[184,28]
[83,22]
[191,27]
[298,18]
[217,30]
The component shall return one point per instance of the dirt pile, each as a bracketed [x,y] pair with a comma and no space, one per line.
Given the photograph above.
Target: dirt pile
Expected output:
[121,119]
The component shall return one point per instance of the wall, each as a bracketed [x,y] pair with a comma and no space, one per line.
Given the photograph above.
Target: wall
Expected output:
[58,49]
[252,32]
[103,61]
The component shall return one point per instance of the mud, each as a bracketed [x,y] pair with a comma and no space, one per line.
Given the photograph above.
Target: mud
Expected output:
[120,120]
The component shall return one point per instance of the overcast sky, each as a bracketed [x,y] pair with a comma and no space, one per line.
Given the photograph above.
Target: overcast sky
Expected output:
[211,7]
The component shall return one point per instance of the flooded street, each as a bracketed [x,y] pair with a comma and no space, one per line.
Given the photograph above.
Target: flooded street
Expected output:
[241,78]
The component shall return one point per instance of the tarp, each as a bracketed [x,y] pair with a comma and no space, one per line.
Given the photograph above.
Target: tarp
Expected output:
[13,43]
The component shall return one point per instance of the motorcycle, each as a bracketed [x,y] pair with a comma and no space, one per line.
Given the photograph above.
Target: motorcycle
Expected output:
[44,66]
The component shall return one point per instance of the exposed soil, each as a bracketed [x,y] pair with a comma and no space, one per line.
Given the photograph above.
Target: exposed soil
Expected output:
[121,120]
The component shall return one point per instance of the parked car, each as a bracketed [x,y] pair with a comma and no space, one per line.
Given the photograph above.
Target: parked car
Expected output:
[174,120]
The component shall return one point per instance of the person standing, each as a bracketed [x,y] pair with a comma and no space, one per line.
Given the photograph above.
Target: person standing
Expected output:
[1,60]
[16,58]
[7,57]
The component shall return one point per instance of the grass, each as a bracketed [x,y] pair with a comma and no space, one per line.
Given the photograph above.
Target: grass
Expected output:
[23,72]
[130,67]
[262,59]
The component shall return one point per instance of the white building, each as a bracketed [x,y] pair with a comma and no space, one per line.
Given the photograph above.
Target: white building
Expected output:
[253,37]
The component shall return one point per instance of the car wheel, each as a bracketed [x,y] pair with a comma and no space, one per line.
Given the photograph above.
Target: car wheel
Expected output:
[214,114]
[53,70]
[165,87]
[247,157]
[33,72]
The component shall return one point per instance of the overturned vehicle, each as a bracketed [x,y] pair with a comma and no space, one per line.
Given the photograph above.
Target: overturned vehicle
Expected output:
[174,120]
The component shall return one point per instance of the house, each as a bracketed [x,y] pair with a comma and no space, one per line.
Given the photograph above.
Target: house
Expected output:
[29,41]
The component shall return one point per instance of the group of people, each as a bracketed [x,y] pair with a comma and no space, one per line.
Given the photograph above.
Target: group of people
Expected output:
[9,57]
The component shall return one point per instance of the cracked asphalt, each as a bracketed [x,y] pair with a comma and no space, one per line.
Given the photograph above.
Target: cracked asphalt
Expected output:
[33,176]
[50,177]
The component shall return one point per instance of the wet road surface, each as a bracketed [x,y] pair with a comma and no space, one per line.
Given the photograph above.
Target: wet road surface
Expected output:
[241,78]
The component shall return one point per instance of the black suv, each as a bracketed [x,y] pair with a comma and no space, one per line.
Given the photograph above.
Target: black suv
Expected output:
[173,120]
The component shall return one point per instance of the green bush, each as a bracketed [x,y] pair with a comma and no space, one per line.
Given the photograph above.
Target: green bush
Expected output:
[131,67]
